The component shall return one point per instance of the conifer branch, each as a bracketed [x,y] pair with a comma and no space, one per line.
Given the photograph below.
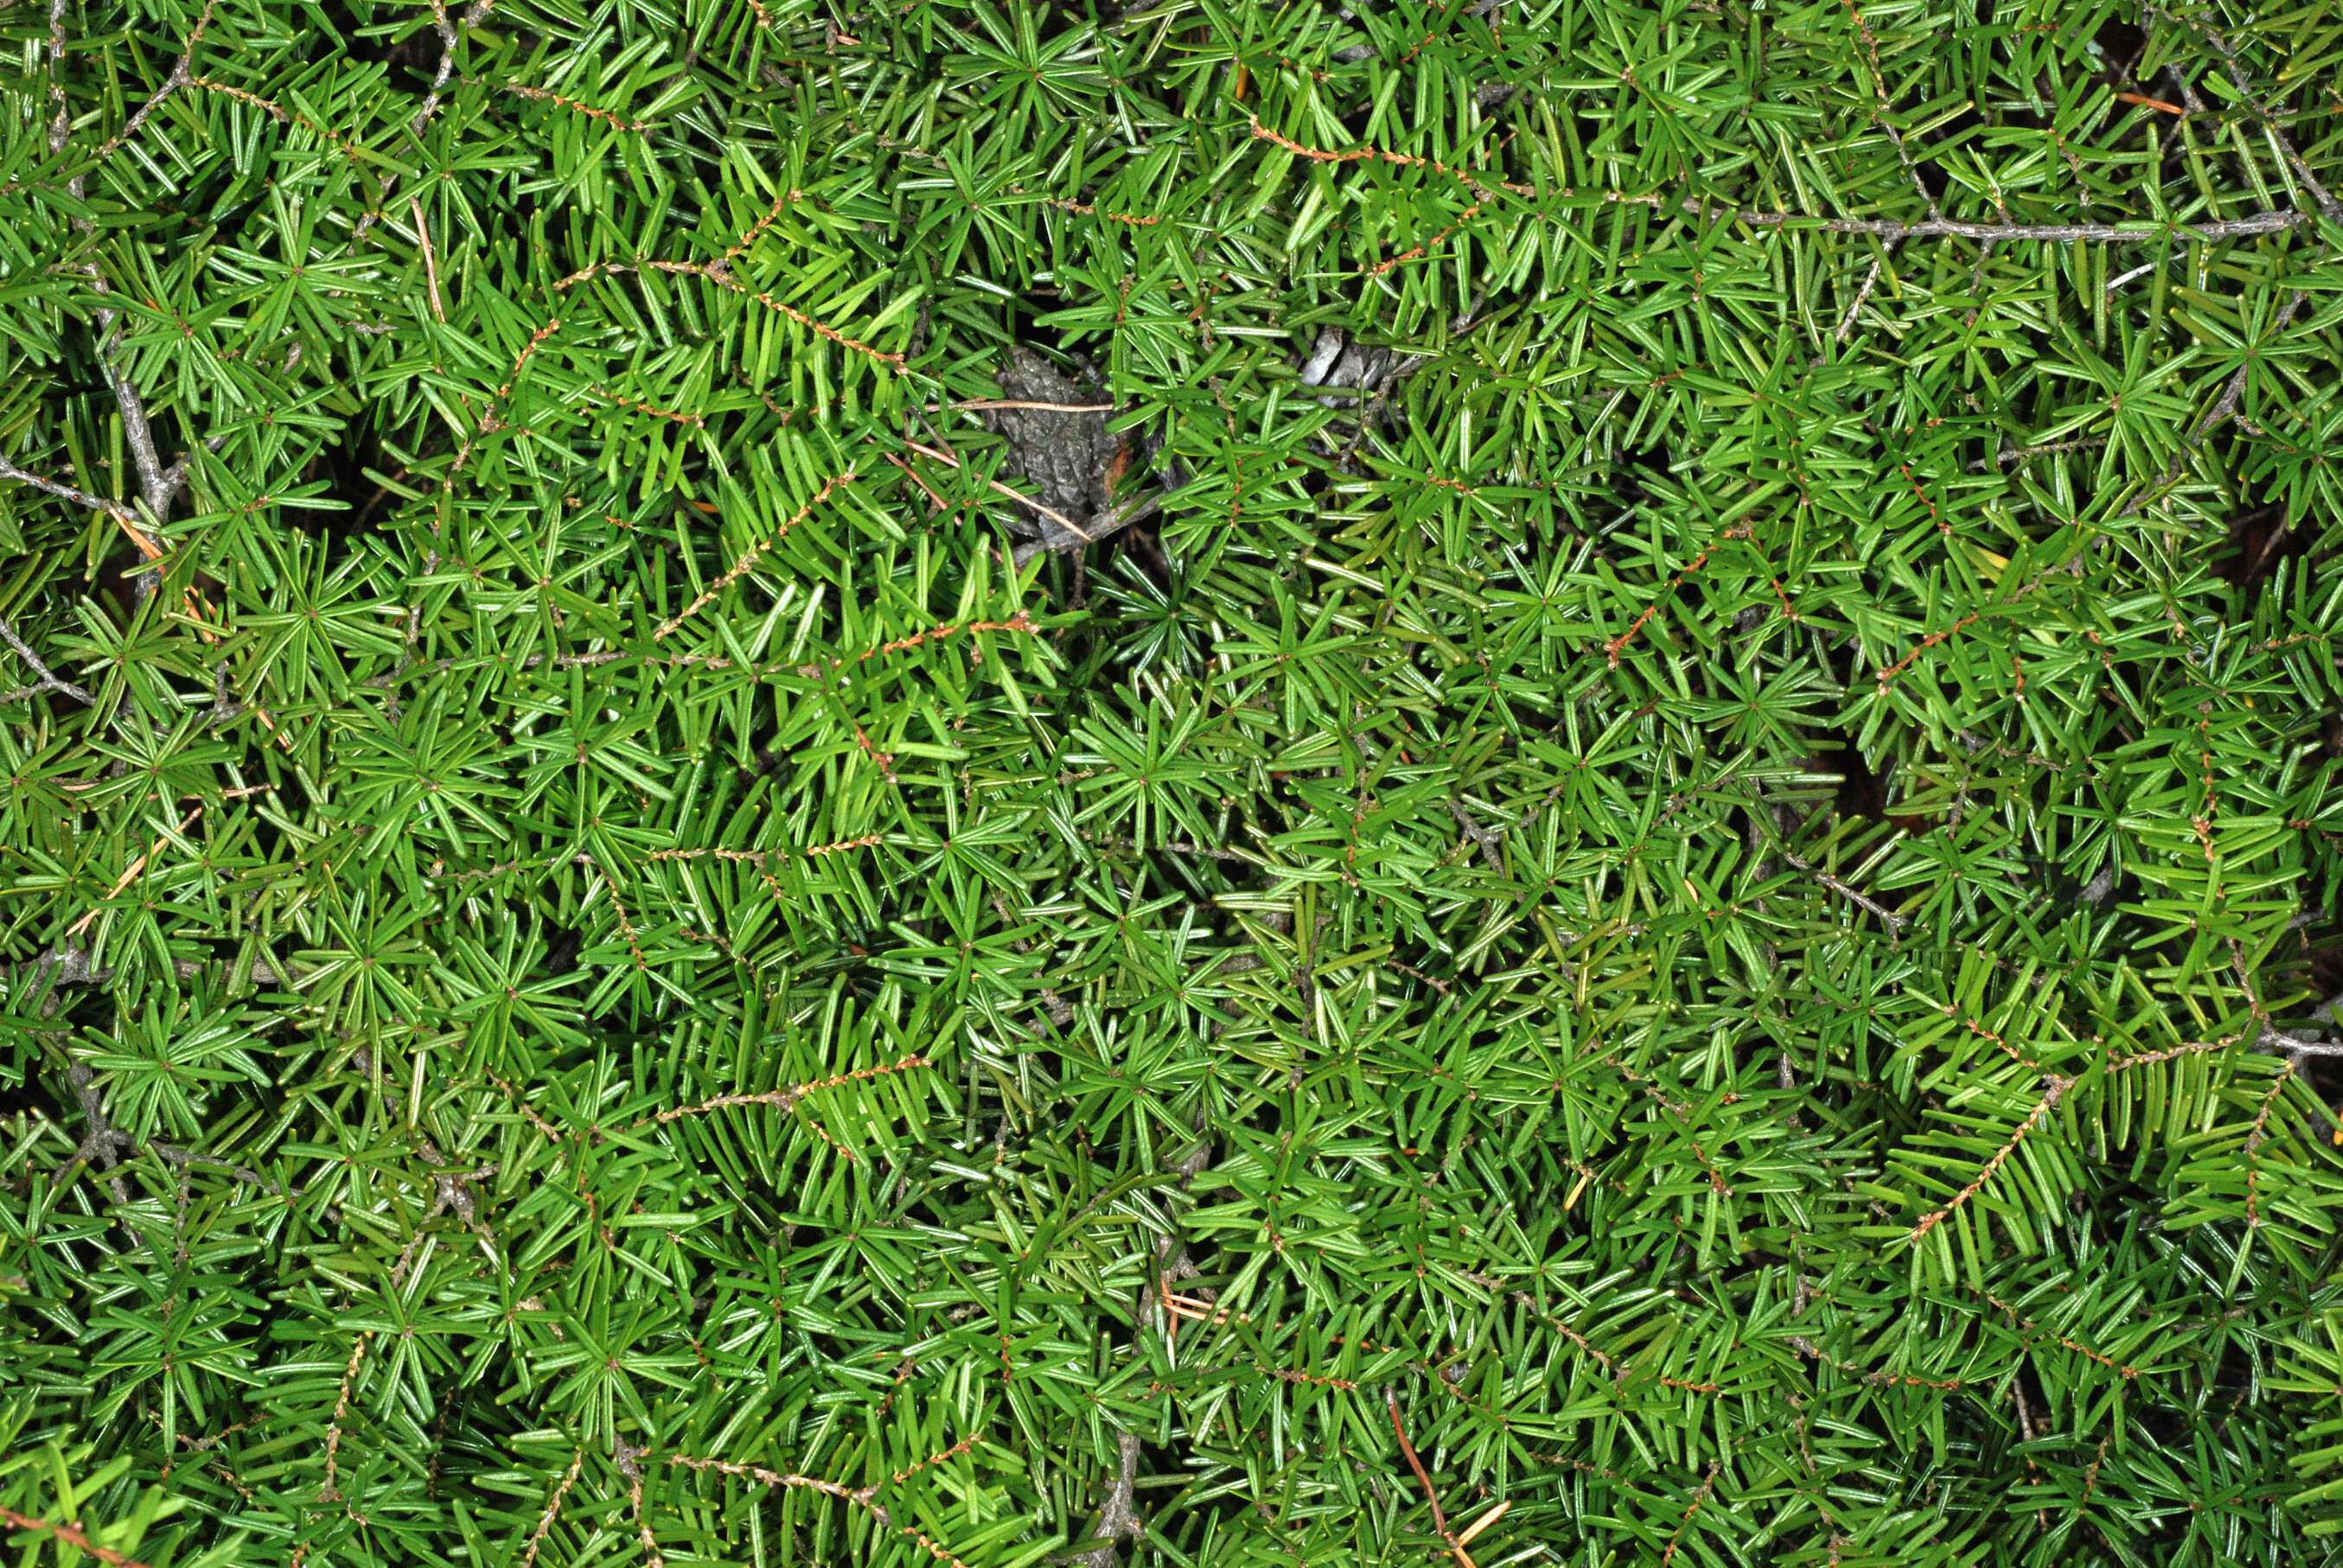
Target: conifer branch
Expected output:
[180,76]
[749,557]
[2326,203]
[786,1098]
[552,1508]
[2057,1088]
[472,17]
[60,121]
[860,1497]
[2224,407]
[616,122]
[1891,231]
[778,1031]
[1116,1518]
[329,1491]
[2027,1325]
[101,1141]
[1707,1484]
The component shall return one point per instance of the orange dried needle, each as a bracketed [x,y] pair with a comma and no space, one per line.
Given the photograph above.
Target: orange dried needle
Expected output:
[1465,1536]
[130,873]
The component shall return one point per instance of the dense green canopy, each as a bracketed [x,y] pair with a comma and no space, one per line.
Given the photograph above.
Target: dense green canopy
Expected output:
[1613,842]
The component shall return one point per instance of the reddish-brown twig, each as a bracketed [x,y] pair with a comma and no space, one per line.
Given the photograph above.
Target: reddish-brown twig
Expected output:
[860,1497]
[1613,647]
[636,405]
[2050,1096]
[1439,1520]
[69,1535]
[617,122]
[786,1098]
[749,557]
[1707,1484]
[2027,1326]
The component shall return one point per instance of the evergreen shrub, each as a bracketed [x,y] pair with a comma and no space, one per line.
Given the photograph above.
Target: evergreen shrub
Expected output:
[1605,831]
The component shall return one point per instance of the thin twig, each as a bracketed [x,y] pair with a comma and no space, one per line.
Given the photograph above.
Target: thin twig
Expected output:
[330,1492]
[1487,841]
[914,475]
[1846,322]
[785,1099]
[2234,393]
[750,235]
[1886,917]
[68,1536]
[472,18]
[446,57]
[859,1497]
[1176,847]
[1439,1520]
[134,428]
[182,74]
[2009,456]
[720,273]
[2051,1095]
[1116,1518]
[1707,1484]
[153,481]
[2272,1041]
[749,557]
[175,477]
[181,1159]
[632,1472]
[48,679]
[60,121]
[1051,513]
[79,498]
[102,1142]
[552,1510]
[540,95]
[1028,403]
[1891,229]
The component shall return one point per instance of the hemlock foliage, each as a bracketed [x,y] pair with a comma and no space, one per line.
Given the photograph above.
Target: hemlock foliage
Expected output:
[1674,858]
